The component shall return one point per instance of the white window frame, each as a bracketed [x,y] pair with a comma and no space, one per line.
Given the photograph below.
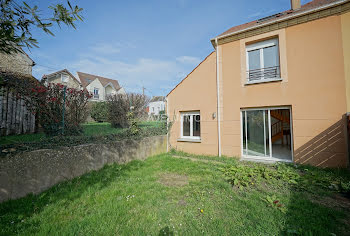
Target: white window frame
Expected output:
[260,46]
[191,114]
[64,76]
[98,93]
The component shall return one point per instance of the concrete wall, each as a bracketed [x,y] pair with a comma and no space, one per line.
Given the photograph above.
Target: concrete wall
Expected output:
[196,93]
[16,62]
[36,171]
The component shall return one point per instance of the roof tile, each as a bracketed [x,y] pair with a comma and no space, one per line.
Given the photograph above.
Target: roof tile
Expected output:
[86,79]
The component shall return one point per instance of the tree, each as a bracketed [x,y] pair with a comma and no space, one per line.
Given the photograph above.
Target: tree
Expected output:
[120,105]
[99,111]
[18,19]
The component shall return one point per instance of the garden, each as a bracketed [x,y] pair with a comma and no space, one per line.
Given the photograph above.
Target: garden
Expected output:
[61,116]
[181,194]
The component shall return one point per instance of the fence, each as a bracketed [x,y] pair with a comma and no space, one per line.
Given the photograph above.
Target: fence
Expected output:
[14,116]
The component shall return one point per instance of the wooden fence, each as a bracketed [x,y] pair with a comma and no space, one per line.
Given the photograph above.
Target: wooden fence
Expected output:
[14,116]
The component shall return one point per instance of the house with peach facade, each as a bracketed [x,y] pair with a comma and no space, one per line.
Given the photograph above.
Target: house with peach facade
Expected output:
[274,89]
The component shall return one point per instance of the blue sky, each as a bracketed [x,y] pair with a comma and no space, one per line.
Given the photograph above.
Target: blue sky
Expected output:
[153,43]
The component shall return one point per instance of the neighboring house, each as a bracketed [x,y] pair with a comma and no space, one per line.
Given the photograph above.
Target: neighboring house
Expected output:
[62,77]
[99,86]
[274,89]
[19,63]
[156,105]
[14,116]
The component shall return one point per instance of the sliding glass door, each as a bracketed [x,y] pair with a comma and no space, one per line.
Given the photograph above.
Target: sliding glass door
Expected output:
[264,132]
[256,133]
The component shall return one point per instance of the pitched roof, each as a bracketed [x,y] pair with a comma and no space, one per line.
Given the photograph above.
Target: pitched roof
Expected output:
[306,7]
[86,79]
[59,72]
[157,99]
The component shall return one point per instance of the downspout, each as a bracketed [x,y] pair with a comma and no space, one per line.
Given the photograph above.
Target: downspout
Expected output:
[218,94]
[167,124]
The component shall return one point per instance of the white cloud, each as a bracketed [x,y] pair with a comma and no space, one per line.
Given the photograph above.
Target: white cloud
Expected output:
[256,14]
[188,60]
[155,75]
[106,48]
[260,14]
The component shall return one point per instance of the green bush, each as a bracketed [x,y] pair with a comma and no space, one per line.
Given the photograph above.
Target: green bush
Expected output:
[99,111]
[300,177]
[120,105]
[68,141]
[134,127]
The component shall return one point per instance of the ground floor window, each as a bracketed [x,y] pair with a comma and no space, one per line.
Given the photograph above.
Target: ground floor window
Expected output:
[267,133]
[190,125]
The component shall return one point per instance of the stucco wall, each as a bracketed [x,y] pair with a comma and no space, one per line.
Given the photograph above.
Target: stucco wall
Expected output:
[96,84]
[345,21]
[33,172]
[16,62]
[315,90]
[196,93]
[156,107]
[72,83]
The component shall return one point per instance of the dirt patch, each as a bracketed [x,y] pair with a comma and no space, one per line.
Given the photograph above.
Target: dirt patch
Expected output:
[182,202]
[200,160]
[336,201]
[173,180]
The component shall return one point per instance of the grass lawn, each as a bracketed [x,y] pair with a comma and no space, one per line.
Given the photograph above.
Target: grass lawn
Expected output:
[175,196]
[90,129]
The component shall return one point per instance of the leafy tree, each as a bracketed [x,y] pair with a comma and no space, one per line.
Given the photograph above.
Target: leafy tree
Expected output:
[120,105]
[18,19]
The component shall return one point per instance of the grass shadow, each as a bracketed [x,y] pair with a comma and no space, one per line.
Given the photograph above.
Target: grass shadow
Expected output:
[13,212]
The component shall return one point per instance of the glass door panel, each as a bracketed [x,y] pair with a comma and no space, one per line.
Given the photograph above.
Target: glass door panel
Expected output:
[255,133]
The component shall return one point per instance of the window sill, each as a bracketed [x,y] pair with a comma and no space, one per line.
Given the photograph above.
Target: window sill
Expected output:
[263,81]
[191,140]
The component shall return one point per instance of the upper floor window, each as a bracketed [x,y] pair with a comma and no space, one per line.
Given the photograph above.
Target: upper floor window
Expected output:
[263,61]
[190,125]
[96,95]
[64,78]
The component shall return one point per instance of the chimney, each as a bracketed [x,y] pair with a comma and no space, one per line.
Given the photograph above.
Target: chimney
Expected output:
[295,4]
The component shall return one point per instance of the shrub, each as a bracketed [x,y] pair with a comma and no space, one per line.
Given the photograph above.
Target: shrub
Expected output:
[134,128]
[51,102]
[299,177]
[121,104]
[99,111]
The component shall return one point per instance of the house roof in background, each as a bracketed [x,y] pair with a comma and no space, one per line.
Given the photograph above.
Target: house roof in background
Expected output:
[86,79]
[306,7]
[60,72]
[157,99]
